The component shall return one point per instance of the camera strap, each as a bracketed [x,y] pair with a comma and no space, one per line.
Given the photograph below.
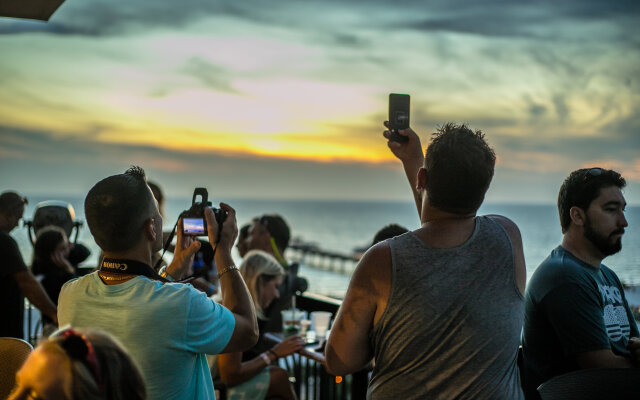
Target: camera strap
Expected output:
[129,267]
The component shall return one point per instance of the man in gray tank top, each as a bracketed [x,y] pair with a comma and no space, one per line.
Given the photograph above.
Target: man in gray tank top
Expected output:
[439,309]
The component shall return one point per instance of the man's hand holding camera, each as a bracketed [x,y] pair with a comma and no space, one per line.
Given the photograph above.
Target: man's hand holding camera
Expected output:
[224,240]
[186,248]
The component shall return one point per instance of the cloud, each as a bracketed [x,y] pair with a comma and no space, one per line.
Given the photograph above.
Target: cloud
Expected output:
[209,75]
[38,162]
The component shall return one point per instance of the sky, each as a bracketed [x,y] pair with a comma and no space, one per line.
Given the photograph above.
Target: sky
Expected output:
[285,99]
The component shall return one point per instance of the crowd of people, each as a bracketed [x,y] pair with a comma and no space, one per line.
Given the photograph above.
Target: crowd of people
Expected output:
[440,312]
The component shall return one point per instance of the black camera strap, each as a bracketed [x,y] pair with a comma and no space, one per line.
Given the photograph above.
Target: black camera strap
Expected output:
[129,267]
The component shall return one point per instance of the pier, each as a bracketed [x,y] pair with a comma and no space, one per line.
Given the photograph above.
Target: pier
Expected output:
[312,256]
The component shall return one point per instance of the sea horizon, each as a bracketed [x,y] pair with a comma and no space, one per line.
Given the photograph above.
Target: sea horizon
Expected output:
[342,226]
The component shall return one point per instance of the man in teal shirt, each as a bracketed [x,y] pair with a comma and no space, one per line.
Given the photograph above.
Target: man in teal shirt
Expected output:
[576,315]
[166,326]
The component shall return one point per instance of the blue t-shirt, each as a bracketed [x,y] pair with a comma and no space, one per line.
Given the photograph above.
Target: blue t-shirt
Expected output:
[167,328]
[571,307]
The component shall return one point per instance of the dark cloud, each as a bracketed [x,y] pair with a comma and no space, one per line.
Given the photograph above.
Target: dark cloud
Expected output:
[562,110]
[209,75]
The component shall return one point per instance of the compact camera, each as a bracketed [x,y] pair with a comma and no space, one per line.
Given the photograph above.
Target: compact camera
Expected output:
[193,221]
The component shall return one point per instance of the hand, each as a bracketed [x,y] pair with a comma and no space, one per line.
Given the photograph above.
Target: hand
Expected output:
[58,258]
[407,151]
[289,346]
[186,248]
[634,348]
[229,228]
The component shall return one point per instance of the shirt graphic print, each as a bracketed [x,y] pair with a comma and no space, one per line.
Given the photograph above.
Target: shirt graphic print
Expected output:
[614,313]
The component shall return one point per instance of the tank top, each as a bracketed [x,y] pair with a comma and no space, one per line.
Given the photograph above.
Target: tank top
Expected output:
[451,328]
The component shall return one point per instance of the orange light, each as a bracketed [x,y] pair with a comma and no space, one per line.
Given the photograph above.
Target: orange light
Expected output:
[338,379]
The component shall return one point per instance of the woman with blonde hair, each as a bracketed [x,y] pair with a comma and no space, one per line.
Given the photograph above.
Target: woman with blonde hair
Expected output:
[78,364]
[250,374]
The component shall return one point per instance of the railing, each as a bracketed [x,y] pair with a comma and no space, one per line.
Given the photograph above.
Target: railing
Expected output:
[311,380]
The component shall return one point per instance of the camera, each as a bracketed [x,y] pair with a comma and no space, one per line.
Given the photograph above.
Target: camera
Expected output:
[193,221]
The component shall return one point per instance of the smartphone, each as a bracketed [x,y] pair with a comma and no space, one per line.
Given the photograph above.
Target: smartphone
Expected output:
[398,115]
[193,226]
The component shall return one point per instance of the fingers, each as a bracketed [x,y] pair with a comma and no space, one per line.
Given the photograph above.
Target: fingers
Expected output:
[192,249]
[178,234]
[212,226]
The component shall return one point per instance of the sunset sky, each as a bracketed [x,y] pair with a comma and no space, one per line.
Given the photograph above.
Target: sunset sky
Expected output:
[286,98]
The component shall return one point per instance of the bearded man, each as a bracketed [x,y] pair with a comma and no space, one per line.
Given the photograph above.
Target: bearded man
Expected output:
[576,314]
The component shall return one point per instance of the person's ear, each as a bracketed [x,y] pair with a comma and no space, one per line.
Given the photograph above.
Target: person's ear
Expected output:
[150,229]
[578,216]
[421,182]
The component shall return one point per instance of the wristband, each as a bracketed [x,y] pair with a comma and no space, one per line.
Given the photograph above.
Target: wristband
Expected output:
[265,358]
[229,268]
[274,353]
[165,274]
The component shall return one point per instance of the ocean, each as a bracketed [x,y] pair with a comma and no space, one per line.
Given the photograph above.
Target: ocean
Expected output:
[342,226]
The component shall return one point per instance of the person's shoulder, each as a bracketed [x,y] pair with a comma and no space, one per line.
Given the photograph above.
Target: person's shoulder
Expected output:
[376,262]
[85,280]
[559,268]
[508,225]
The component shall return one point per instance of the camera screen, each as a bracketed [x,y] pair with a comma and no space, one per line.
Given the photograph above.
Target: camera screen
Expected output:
[193,226]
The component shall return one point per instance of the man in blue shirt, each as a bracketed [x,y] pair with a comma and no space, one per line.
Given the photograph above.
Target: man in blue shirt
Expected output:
[576,315]
[166,327]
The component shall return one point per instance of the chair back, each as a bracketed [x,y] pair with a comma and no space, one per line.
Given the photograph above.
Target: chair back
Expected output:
[13,353]
[595,383]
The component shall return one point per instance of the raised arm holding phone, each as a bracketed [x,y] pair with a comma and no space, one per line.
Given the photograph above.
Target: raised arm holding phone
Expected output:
[440,308]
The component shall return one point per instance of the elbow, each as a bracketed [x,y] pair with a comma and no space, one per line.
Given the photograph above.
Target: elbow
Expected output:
[251,334]
[254,335]
[334,365]
[336,369]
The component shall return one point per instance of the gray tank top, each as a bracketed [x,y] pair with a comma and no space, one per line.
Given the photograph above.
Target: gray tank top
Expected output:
[452,325]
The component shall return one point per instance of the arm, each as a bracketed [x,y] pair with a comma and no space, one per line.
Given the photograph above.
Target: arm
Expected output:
[235,295]
[36,294]
[348,347]
[634,348]
[516,240]
[234,372]
[410,153]
[602,359]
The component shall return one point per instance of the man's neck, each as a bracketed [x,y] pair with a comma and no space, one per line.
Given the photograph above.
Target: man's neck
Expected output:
[576,244]
[435,216]
[140,256]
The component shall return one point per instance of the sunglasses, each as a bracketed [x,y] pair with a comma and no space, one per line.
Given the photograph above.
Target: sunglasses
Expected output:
[590,173]
[78,347]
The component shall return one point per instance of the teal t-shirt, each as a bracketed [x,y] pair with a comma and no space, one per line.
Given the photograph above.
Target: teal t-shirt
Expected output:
[167,328]
[571,307]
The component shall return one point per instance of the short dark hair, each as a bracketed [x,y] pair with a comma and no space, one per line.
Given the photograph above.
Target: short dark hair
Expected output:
[581,187]
[116,209]
[389,231]
[277,228]
[459,166]
[11,203]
